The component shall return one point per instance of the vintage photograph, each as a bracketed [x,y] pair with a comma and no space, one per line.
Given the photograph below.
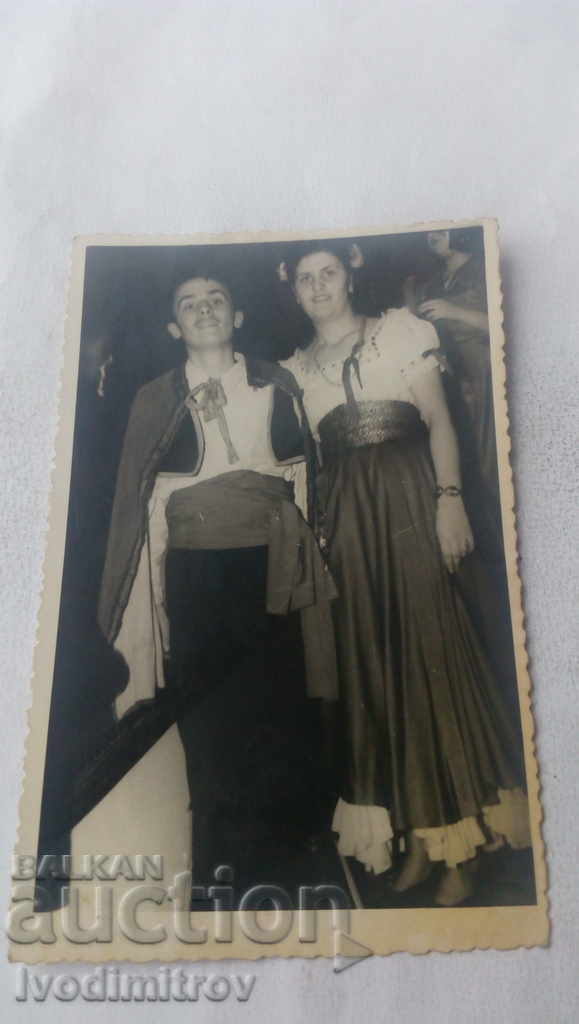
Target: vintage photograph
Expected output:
[281,659]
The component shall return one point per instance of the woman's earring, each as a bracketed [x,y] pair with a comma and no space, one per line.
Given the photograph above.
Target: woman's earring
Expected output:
[350,287]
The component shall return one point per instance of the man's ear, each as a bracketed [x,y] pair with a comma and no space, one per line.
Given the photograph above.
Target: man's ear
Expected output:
[174,331]
[238,318]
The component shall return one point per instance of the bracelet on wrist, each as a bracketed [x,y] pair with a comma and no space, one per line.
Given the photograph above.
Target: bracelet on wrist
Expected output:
[451,491]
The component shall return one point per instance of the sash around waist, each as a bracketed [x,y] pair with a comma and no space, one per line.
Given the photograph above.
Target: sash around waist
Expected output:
[248,509]
[368,423]
[233,510]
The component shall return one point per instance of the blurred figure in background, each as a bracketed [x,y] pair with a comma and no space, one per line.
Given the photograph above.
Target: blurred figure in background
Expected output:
[454,300]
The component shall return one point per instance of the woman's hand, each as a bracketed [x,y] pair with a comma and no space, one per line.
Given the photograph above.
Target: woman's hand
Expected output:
[453,531]
[452,525]
[438,309]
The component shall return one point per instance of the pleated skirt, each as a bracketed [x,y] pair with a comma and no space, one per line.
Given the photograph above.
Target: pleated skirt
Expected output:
[428,731]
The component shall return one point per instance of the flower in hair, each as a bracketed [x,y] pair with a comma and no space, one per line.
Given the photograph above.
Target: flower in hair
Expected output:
[282,272]
[356,259]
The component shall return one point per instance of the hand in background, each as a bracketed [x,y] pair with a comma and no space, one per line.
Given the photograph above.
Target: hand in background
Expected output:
[438,309]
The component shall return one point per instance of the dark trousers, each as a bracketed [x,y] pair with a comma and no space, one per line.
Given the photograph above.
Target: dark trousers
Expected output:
[249,739]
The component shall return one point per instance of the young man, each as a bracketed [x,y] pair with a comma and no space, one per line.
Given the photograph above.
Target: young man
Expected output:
[207,558]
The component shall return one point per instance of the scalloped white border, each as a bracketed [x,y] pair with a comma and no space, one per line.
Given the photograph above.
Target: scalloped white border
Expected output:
[384,931]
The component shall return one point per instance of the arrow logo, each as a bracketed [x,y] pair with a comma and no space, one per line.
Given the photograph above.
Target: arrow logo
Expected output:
[347,951]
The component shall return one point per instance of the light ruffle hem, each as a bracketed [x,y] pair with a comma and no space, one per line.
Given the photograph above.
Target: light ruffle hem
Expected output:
[456,843]
[365,832]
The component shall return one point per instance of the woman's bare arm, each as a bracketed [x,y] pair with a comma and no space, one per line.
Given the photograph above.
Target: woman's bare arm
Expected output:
[452,525]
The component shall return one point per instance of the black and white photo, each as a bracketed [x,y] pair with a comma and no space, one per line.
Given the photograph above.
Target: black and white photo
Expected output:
[281,641]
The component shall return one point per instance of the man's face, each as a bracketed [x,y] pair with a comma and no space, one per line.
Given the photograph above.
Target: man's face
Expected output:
[204,314]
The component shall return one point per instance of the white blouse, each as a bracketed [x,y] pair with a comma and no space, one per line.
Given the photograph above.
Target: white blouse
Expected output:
[391,357]
[248,415]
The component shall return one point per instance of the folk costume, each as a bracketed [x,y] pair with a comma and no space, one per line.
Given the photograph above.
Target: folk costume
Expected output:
[208,557]
[429,744]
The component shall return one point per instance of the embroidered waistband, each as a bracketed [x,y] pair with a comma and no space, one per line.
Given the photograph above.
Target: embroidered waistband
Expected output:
[372,423]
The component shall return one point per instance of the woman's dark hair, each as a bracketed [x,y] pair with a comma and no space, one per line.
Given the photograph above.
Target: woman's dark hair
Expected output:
[209,266]
[296,323]
[340,248]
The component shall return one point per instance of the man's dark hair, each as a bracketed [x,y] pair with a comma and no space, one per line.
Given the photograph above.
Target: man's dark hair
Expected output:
[206,267]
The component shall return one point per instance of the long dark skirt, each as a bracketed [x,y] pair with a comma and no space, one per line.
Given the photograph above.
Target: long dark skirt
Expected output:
[247,733]
[429,734]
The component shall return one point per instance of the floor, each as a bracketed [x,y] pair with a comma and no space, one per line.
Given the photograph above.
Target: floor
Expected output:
[147,813]
[503,878]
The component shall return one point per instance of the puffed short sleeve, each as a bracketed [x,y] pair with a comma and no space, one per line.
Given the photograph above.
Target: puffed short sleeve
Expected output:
[420,348]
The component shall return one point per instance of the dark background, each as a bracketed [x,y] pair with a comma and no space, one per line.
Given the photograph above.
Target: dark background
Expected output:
[127,294]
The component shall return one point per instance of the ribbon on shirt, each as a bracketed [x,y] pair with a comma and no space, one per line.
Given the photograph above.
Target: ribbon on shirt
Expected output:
[211,399]
[353,363]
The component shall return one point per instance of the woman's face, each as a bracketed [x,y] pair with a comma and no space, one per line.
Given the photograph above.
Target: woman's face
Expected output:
[321,286]
[438,242]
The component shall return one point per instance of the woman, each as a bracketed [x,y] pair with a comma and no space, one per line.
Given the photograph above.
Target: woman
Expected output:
[427,738]
[454,299]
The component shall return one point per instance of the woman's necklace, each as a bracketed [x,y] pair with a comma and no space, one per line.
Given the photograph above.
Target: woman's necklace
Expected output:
[323,370]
